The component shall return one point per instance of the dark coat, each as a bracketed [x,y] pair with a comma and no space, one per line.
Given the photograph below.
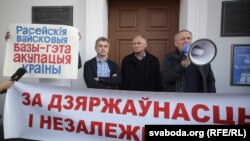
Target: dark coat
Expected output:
[90,72]
[151,74]
[173,74]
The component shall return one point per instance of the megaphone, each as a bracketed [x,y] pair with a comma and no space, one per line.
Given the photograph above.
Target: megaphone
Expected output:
[201,52]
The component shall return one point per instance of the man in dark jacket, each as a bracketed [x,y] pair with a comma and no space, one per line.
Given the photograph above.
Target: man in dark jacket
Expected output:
[181,75]
[100,72]
[140,70]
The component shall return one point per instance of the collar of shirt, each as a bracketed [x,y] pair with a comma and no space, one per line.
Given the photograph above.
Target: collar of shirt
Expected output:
[102,67]
[101,60]
[140,57]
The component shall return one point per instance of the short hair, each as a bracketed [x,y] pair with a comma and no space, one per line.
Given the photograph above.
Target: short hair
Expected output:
[101,39]
[180,31]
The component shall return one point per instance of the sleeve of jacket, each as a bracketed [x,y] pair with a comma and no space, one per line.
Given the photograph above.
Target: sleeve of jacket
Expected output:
[89,74]
[123,82]
[172,69]
[211,80]
[159,81]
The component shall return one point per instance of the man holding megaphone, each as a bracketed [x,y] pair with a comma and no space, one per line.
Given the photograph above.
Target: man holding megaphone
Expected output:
[188,68]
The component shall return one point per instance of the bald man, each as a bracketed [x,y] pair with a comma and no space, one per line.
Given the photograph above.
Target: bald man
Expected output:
[140,70]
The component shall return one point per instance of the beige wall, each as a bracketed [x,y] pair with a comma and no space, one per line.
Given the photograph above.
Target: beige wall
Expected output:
[222,62]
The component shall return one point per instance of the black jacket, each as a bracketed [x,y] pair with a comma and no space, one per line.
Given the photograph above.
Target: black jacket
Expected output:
[90,72]
[173,74]
[151,74]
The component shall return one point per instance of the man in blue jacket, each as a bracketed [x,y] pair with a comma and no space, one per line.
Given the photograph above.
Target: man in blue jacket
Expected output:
[100,72]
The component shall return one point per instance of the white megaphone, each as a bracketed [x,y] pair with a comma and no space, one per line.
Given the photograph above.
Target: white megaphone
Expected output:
[201,52]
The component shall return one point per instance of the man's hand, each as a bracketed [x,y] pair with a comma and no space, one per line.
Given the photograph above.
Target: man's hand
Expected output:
[6,84]
[185,62]
[7,36]
[96,78]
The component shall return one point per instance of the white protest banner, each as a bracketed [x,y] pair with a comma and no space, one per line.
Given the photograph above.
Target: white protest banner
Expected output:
[44,50]
[53,113]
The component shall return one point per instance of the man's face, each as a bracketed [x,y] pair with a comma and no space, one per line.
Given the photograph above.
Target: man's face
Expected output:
[139,45]
[102,48]
[183,38]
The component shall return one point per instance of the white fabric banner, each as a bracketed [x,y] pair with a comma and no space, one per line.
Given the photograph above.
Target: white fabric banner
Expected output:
[45,50]
[53,113]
